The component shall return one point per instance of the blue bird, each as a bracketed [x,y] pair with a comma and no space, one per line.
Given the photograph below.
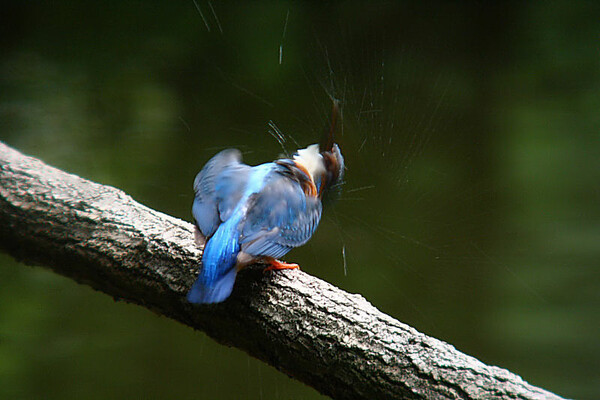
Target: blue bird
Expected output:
[247,214]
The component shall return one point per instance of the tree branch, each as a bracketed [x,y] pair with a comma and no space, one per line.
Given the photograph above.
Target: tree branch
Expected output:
[334,341]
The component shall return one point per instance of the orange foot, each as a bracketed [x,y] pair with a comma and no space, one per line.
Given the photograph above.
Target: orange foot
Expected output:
[278,265]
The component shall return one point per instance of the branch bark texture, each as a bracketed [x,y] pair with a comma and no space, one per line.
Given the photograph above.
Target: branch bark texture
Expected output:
[331,340]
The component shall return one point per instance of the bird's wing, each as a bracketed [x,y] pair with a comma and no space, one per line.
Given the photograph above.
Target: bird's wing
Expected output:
[280,217]
[218,188]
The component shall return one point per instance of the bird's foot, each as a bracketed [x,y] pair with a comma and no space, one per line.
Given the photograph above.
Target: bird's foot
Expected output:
[199,238]
[279,265]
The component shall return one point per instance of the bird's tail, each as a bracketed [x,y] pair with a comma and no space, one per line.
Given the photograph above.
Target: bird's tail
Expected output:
[217,276]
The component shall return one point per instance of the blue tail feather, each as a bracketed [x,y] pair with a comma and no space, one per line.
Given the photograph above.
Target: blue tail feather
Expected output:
[217,276]
[218,292]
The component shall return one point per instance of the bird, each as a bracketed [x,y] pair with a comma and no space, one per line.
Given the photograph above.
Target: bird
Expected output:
[246,215]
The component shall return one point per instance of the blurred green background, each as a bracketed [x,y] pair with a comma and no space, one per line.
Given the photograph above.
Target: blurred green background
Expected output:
[472,204]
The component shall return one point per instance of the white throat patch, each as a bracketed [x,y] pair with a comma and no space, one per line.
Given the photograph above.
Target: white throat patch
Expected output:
[311,159]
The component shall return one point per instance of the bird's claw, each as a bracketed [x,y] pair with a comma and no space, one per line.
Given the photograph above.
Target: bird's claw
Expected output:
[279,265]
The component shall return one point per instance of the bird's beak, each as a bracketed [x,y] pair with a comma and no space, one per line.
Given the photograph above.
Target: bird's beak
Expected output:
[335,121]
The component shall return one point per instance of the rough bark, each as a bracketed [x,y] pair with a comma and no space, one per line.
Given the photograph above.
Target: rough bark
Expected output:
[334,341]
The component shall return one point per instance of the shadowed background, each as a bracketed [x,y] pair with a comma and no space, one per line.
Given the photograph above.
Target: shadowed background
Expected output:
[471,204]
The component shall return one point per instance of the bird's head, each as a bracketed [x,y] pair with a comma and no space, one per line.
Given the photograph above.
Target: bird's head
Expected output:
[322,164]
[330,184]
[326,168]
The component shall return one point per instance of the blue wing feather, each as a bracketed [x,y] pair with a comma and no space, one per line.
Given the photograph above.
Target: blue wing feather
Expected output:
[218,188]
[230,188]
[280,217]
